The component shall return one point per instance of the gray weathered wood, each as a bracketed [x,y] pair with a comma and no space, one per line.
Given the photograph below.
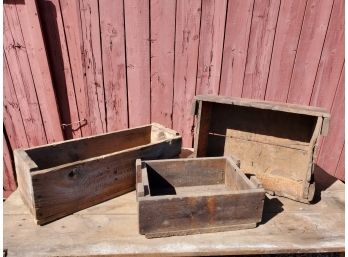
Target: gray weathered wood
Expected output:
[189,196]
[111,228]
[274,141]
[61,178]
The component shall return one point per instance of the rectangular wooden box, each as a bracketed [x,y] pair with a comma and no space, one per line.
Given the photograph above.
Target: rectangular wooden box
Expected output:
[188,196]
[274,141]
[61,178]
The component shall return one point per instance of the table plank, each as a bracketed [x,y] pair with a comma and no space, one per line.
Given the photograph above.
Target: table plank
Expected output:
[111,228]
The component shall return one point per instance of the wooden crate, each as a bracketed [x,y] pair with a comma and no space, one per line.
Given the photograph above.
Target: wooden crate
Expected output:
[274,141]
[61,178]
[188,196]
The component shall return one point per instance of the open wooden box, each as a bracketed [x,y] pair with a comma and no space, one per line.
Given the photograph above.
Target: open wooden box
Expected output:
[274,141]
[61,178]
[188,196]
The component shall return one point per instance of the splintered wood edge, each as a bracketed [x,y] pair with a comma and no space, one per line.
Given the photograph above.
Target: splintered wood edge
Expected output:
[23,156]
[240,173]
[138,177]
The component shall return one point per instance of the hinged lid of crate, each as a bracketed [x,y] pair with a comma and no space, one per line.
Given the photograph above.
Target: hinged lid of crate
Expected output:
[274,141]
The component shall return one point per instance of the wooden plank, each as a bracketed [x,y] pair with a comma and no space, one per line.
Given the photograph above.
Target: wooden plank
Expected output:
[62,178]
[193,203]
[114,63]
[332,144]
[35,48]
[331,60]
[209,214]
[291,15]
[211,42]
[13,122]
[92,65]
[309,49]
[263,26]
[137,18]
[340,174]
[188,15]
[267,105]
[238,23]
[58,56]
[72,28]
[162,60]
[112,228]
[8,173]
[19,68]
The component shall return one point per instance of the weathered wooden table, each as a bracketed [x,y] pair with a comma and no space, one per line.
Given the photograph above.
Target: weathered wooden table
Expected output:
[111,228]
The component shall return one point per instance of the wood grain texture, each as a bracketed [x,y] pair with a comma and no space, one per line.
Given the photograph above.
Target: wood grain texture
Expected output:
[272,143]
[236,42]
[13,122]
[58,56]
[305,61]
[331,59]
[92,65]
[137,29]
[263,26]
[36,51]
[309,50]
[20,72]
[188,16]
[162,60]
[198,195]
[9,181]
[211,41]
[286,40]
[114,63]
[72,28]
[111,228]
[332,145]
[340,166]
[58,179]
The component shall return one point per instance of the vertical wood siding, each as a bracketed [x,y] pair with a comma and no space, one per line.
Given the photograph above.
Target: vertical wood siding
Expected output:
[75,68]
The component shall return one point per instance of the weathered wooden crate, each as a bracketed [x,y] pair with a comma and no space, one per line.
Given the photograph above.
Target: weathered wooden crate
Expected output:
[61,178]
[188,196]
[274,141]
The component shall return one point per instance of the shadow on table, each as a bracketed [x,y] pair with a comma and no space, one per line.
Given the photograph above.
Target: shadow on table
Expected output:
[272,207]
[323,180]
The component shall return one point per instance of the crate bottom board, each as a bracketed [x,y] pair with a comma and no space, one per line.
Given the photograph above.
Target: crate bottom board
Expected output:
[200,230]
[80,207]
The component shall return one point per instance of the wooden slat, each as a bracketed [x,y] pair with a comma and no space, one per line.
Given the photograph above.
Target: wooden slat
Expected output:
[289,25]
[72,28]
[57,51]
[331,60]
[263,26]
[332,144]
[13,122]
[162,60]
[35,48]
[8,173]
[309,50]
[92,61]
[19,69]
[211,42]
[234,56]
[188,16]
[114,63]
[138,60]
[340,166]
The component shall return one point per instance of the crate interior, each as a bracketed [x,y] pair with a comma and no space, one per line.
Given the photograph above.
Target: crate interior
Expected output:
[53,155]
[194,177]
[265,140]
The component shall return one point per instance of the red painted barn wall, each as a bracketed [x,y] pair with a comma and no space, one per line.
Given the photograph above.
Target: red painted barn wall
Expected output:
[75,68]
